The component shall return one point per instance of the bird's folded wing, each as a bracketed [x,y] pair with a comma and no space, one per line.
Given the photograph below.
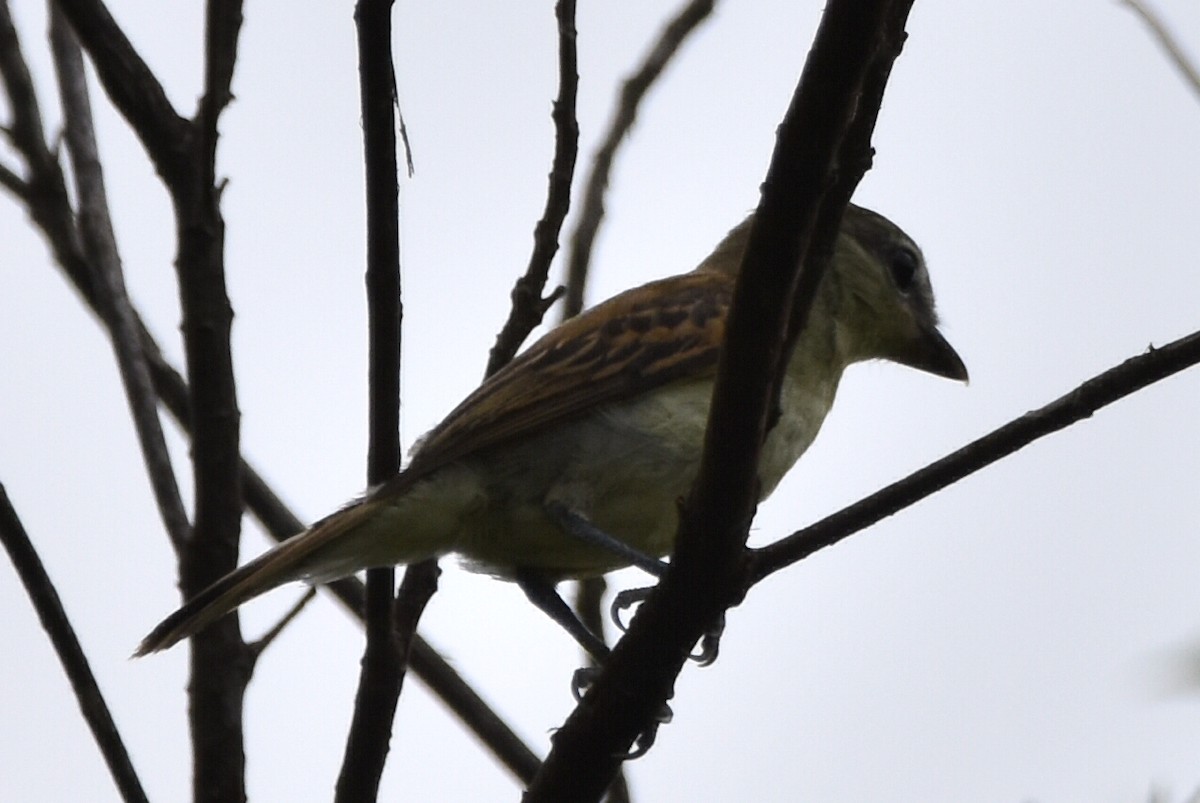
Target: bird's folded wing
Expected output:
[635,342]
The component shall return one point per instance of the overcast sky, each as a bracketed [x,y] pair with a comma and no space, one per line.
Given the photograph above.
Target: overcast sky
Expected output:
[1022,636]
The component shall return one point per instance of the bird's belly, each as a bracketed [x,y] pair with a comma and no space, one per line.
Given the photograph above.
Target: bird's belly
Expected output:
[624,469]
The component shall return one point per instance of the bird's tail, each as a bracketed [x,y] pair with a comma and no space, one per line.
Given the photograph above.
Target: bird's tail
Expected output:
[313,554]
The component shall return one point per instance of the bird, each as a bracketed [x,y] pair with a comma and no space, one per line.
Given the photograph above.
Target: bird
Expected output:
[570,461]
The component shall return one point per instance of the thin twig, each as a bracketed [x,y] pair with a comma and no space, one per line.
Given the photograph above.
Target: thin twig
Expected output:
[632,92]
[101,249]
[528,305]
[58,627]
[1082,402]
[43,189]
[811,173]
[25,131]
[380,680]
[262,642]
[1168,42]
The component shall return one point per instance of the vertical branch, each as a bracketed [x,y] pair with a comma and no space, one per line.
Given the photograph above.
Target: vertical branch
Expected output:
[382,664]
[221,663]
[54,620]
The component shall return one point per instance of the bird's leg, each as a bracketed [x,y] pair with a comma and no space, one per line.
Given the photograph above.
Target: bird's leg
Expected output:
[542,593]
[580,527]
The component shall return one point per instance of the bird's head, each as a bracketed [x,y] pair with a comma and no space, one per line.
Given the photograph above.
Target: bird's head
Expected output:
[879,286]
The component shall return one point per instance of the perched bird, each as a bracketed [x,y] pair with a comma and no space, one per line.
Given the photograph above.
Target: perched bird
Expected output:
[569,462]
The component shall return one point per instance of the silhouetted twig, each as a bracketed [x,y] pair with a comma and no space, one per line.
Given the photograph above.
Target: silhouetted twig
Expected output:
[528,305]
[1097,392]
[54,620]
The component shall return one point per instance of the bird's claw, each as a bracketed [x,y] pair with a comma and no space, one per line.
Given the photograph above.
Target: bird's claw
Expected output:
[582,680]
[623,601]
[710,643]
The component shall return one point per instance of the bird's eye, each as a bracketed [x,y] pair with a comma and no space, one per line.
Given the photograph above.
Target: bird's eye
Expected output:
[904,264]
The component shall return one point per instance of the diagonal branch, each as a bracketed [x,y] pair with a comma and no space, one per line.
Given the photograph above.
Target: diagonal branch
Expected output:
[809,181]
[1168,42]
[54,620]
[101,247]
[132,86]
[632,93]
[1082,402]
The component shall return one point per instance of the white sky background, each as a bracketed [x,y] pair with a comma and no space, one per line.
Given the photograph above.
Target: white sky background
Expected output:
[1022,636]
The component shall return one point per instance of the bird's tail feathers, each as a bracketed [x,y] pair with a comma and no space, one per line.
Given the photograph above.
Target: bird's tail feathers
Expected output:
[300,557]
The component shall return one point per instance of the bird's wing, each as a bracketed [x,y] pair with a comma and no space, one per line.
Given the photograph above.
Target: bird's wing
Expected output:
[637,341]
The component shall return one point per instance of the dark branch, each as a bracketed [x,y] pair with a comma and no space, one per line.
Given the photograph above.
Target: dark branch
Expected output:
[14,184]
[223,24]
[811,174]
[54,620]
[1099,391]
[383,660]
[632,92]
[132,86]
[43,190]
[528,305]
[26,131]
[101,250]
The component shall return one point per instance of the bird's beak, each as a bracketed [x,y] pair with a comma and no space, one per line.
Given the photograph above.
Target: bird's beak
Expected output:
[931,352]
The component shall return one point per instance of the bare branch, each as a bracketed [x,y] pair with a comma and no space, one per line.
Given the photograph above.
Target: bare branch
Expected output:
[812,174]
[132,86]
[101,246]
[43,190]
[632,92]
[26,131]
[14,184]
[1097,392]
[259,645]
[528,305]
[382,673]
[54,620]
[1168,42]
[223,24]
